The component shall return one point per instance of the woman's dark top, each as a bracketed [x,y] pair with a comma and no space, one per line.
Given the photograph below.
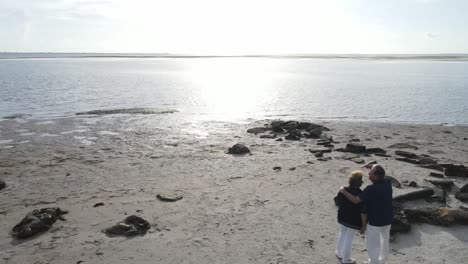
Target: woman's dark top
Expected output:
[349,214]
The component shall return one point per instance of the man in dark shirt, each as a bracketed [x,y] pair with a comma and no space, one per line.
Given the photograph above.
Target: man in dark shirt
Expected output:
[377,198]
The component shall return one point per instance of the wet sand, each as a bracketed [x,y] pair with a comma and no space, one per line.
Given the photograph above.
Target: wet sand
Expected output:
[235,209]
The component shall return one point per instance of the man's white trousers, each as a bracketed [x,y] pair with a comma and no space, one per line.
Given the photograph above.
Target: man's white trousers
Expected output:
[377,239]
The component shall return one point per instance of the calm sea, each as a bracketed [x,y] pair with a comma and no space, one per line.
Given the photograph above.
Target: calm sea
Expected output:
[422,90]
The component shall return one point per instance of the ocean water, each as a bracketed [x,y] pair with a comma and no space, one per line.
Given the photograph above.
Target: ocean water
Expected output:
[422,90]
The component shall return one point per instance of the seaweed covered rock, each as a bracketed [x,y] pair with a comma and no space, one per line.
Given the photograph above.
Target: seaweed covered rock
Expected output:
[130,226]
[37,221]
[238,149]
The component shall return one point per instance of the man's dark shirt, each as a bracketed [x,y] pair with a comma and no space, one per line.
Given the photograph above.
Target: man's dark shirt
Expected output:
[378,201]
[349,214]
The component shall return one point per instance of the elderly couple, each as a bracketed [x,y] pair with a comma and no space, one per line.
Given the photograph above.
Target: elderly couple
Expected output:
[369,212]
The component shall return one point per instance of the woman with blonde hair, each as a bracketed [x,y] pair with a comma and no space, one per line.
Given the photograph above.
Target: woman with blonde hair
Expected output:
[351,218]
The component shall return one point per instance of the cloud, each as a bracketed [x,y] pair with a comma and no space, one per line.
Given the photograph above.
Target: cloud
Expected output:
[431,35]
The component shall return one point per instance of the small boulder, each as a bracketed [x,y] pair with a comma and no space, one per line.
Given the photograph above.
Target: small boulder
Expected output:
[169,197]
[277,168]
[413,184]
[268,136]
[413,161]
[434,166]
[403,146]
[314,133]
[277,129]
[357,160]
[317,150]
[406,154]
[37,221]
[279,139]
[355,148]
[238,149]
[256,130]
[130,226]
[441,216]
[2,185]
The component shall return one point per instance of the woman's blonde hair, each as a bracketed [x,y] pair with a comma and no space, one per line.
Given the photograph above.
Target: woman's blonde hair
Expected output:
[356,178]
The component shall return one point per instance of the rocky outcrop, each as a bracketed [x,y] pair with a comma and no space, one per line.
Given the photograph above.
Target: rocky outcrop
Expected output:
[445,184]
[130,226]
[238,149]
[37,221]
[406,154]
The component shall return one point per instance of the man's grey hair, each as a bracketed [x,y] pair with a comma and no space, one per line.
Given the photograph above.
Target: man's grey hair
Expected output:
[379,171]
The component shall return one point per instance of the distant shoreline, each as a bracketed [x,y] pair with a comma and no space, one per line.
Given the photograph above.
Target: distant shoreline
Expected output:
[45,55]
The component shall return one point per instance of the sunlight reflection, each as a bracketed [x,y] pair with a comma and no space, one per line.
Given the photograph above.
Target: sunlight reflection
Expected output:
[233,87]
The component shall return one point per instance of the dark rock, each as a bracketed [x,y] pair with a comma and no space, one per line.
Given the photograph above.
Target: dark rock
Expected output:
[464,138]
[462,196]
[413,161]
[279,139]
[413,184]
[292,168]
[355,148]
[400,223]
[464,188]
[169,197]
[98,204]
[310,162]
[432,167]
[313,126]
[324,142]
[314,133]
[2,185]
[37,221]
[238,149]
[329,145]
[395,183]
[382,155]
[403,146]
[446,184]
[406,154]
[442,216]
[277,129]
[277,168]
[318,154]
[268,136]
[456,170]
[256,130]
[130,226]
[340,150]
[317,150]
[355,140]
[292,137]
[436,175]
[414,195]
[427,161]
[375,151]
[324,159]
[303,125]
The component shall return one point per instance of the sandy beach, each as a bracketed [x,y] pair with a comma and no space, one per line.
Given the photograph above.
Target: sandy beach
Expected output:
[235,209]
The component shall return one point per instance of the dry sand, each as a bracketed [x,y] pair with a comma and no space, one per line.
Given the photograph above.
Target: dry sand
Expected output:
[235,209]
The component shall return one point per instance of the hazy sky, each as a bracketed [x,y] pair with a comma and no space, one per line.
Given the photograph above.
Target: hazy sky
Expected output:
[235,26]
